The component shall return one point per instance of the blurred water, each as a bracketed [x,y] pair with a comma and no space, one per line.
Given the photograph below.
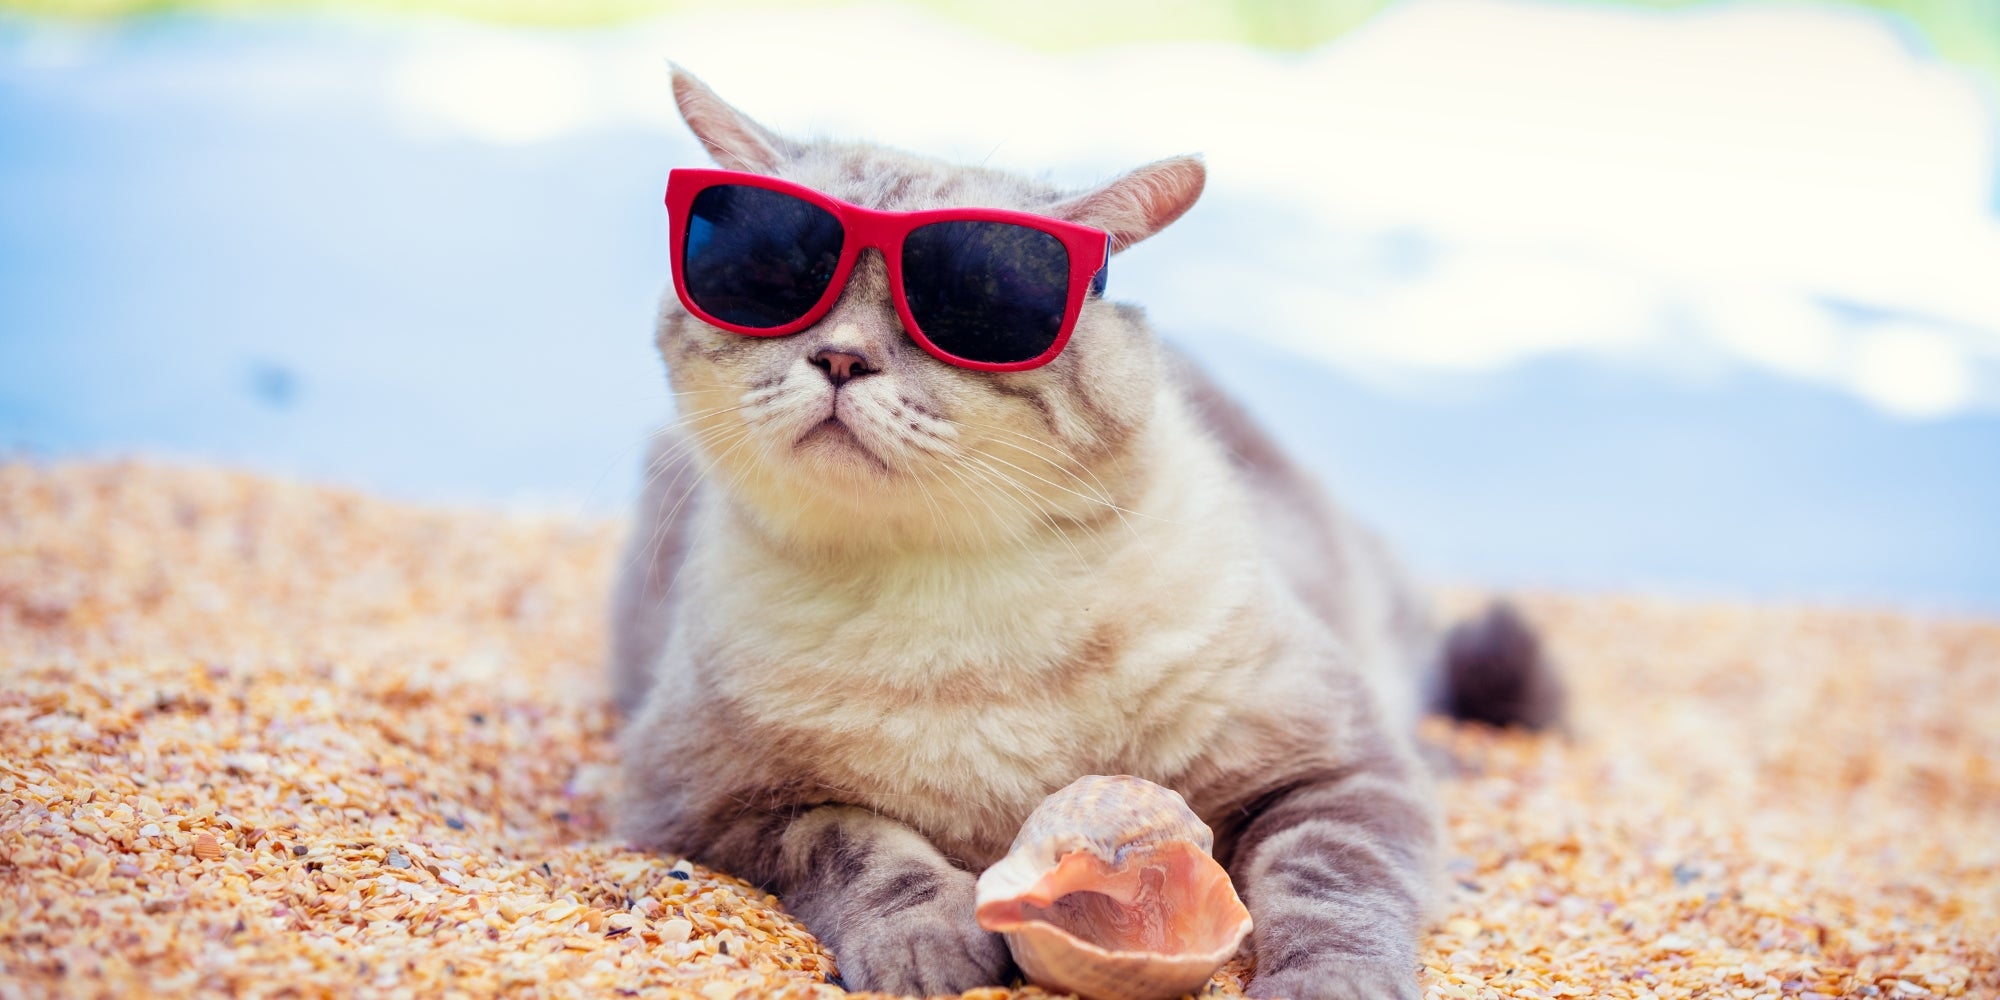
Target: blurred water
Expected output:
[423,259]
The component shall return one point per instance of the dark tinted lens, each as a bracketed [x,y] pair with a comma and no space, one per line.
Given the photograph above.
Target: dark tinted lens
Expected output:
[758,258]
[986,291]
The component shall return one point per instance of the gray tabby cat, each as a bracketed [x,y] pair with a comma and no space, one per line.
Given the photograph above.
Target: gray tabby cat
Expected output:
[877,607]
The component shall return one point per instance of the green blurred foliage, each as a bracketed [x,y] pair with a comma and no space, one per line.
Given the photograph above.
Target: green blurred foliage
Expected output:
[1965,31]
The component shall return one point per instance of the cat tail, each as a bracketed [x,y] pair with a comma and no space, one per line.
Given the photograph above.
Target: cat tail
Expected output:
[1495,671]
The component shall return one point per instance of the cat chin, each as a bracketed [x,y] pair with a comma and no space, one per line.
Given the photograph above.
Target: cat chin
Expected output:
[831,446]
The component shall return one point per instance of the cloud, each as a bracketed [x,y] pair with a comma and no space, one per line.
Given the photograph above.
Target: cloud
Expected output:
[1582,172]
[1911,371]
[498,88]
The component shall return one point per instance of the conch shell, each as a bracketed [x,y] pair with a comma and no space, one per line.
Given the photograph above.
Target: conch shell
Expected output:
[1109,892]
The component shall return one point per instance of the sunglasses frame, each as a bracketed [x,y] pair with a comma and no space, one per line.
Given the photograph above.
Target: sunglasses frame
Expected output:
[1089,252]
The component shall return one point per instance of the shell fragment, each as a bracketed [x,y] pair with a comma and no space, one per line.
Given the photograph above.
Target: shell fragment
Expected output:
[1110,892]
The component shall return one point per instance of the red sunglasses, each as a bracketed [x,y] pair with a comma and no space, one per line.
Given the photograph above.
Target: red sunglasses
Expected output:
[981,288]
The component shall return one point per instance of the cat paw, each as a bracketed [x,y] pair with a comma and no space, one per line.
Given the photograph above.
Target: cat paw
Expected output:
[923,952]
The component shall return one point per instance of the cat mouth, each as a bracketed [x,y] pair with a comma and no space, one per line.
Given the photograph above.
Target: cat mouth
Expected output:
[834,433]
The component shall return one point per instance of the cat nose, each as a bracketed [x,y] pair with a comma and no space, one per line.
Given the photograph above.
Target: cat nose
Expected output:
[842,363]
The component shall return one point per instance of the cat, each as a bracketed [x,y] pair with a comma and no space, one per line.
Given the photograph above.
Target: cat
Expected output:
[877,607]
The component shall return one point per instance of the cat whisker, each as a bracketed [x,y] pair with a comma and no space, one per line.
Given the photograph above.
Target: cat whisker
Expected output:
[889,427]
[970,526]
[674,458]
[691,424]
[684,420]
[923,422]
[1054,454]
[1100,491]
[679,393]
[670,427]
[1021,493]
[1063,460]
[937,511]
[1116,510]
[740,436]
[1098,499]
[965,476]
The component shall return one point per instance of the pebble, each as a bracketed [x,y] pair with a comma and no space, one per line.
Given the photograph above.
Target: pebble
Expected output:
[206,847]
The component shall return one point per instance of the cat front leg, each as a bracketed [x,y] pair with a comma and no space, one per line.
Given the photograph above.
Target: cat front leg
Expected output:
[896,914]
[1337,875]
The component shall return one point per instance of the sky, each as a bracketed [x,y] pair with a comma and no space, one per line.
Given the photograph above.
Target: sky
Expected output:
[1703,301]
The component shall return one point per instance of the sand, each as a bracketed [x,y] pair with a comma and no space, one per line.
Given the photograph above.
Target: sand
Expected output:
[267,739]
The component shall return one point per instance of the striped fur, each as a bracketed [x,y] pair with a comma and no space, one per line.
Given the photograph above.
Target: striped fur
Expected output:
[855,660]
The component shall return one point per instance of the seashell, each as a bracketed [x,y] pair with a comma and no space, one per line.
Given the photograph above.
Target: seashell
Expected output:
[206,847]
[1109,892]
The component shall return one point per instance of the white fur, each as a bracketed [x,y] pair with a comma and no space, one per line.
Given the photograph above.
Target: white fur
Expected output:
[851,651]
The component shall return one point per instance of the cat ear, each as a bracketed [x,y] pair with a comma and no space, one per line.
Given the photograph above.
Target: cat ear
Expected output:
[1140,203]
[733,140]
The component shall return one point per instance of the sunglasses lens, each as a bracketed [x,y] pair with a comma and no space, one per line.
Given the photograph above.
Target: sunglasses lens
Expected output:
[986,291]
[758,258]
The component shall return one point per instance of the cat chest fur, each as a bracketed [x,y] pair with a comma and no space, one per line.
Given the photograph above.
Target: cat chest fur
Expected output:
[955,695]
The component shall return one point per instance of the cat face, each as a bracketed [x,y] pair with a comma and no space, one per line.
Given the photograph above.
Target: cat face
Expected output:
[848,434]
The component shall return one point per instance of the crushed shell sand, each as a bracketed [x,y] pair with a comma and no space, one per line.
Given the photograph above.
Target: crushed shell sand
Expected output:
[264,739]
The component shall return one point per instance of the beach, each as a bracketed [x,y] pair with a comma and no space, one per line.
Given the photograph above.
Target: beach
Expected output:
[265,738]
